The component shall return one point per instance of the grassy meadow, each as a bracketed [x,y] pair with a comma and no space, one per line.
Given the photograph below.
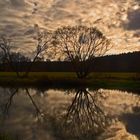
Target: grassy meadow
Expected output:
[72,75]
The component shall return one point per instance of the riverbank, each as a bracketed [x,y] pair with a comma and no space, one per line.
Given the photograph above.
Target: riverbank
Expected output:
[67,79]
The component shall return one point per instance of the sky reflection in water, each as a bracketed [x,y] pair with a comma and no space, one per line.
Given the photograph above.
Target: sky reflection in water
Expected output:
[37,114]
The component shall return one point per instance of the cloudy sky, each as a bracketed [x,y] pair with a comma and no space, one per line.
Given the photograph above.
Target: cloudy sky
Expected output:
[119,20]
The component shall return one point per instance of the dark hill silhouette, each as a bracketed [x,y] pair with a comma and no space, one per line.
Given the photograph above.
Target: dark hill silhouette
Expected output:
[129,62]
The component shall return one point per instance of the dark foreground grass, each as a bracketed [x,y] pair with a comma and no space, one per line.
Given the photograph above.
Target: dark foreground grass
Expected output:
[4,136]
[72,75]
[61,79]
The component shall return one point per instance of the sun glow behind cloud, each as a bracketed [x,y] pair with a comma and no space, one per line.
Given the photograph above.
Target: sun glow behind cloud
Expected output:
[116,19]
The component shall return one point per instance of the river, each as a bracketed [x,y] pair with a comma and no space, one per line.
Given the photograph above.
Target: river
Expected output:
[69,114]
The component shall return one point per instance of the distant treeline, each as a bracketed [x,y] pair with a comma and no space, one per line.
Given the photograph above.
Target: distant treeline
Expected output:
[129,62]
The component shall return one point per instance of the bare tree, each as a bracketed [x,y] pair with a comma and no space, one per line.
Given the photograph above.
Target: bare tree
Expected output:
[81,44]
[6,49]
[11,58]
[43,47]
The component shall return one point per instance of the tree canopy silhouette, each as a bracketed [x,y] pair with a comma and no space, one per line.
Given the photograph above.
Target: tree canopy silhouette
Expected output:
[80,45]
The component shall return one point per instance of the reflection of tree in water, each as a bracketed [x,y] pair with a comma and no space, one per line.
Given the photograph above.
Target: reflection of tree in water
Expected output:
[11,94]
[85,116]
[6,106]
[39,113]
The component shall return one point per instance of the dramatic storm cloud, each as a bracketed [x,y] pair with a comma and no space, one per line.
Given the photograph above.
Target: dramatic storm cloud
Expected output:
[134,20]
[119,20]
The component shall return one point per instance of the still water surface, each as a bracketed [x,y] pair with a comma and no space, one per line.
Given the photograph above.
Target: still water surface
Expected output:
[69,114]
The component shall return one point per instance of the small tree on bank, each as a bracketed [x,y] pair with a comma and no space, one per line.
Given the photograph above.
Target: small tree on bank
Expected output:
[43,46]
[81,44]
[6,50]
